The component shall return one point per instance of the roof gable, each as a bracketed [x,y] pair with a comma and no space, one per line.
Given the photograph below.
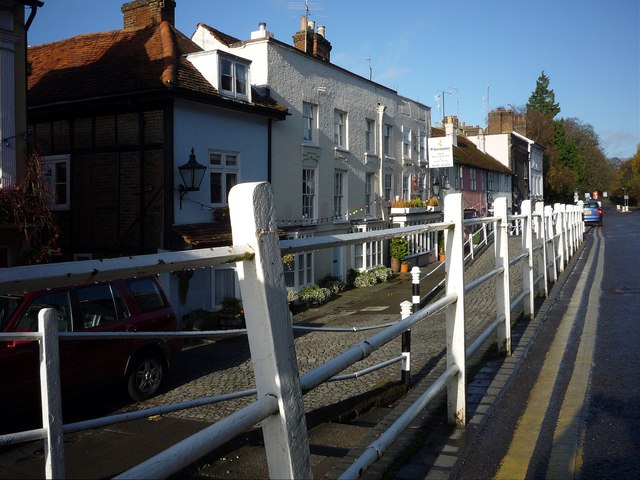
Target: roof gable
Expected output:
[466,153]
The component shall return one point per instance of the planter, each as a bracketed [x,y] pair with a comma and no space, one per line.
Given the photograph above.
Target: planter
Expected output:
[441,257]
[406,210]
[395,265]
[404,268]
[231,321]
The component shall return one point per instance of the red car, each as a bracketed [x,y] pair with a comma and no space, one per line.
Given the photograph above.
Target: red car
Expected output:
[135,304]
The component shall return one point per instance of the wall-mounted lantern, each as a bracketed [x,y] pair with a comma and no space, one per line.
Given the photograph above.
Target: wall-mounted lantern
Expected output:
[192,174]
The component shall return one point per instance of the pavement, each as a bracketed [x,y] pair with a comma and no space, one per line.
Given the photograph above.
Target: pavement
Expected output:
[359,410]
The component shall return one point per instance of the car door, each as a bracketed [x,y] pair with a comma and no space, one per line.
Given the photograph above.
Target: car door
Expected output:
[101,308]
[19,360]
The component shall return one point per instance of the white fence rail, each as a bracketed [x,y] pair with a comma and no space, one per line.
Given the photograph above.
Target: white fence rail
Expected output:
[550,237]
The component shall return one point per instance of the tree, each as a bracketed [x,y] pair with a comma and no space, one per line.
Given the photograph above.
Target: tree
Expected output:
[543,99]
[26,206]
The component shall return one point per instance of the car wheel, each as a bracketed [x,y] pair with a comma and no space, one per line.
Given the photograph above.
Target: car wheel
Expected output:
[145,376]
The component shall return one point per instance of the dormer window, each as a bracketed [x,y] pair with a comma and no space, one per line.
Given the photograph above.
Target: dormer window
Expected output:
[234,78]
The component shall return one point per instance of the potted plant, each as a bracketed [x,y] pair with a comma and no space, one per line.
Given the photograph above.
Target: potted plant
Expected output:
[441,246]
[398,249]
[231,314]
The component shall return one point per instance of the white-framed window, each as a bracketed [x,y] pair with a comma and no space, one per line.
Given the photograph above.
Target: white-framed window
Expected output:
[299,272]
[370,136]
[423,145]
[308,192]
[338,194]
[388,185]
[340,128]
[406,142]
[309,122]
[406,186]
[223,175]
[225,284]
[387,130]
[473,179]
[57,174]
[369,254]
[459,178]
[234,78]
[368,193]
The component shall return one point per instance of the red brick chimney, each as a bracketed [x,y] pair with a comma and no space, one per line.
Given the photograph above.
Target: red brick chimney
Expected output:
[146,13]
[311,42]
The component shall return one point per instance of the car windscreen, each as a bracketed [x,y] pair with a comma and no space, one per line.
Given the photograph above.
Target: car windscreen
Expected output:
[591,205]
[8,304]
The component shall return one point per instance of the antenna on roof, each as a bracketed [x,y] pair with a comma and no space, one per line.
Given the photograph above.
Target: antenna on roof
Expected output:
[370,69]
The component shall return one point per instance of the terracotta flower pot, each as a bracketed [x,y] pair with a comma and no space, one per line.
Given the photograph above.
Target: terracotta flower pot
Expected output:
[404,267]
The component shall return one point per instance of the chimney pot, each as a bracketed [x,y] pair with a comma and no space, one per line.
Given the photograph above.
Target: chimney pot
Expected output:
[312,24]
[321,29]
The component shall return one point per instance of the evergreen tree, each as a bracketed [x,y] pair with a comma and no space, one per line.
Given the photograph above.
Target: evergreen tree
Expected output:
[542,99]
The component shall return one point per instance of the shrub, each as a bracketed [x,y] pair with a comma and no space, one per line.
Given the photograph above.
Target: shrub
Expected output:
[314,295]
[365,279]
[399,248]
[333,283]
[352,274]
[201,319]
[382,273]
[292,295]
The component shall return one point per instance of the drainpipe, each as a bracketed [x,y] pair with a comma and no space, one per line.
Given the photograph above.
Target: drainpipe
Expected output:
[381,109]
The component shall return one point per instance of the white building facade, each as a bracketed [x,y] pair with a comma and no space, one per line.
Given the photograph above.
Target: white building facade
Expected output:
[348,148]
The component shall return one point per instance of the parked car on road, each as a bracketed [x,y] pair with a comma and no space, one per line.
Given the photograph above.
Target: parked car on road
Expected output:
[592,213]
[135,304]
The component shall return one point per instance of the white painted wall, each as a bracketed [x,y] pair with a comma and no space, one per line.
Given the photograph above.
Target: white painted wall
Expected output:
[202,128]
[293,78]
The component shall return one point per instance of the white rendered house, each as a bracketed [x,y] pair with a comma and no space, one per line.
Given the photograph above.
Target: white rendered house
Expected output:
[348,148]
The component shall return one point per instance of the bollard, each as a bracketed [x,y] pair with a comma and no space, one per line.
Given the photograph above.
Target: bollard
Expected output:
[405,311]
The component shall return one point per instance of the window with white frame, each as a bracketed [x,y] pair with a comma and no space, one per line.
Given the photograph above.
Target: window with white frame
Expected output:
[406,186]
[299,271]
[224,284]
[234,78]
[340,129]
[423,148]
[386,139]
[368,193]
[406,142]
[388,185]
[308,192]
[459,179]
[473,179]
[309,122]
[370,136]
[338,194]
[369,254]
[57,174]
[223,175]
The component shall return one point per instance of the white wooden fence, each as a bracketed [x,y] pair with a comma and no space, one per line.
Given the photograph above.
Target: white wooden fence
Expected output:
[279,388]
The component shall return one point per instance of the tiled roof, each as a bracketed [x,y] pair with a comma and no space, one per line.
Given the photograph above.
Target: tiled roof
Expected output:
[228,40]
[467,153]
[208,234]
[118,62]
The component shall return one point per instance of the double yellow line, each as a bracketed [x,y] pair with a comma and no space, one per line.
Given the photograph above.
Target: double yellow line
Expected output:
[565,461]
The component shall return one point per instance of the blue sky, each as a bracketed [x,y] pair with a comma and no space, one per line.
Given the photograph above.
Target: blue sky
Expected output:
[487,54]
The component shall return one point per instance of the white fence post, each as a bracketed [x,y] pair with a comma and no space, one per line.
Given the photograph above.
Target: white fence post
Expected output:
[559,235]
[527,267]
[503,301]
[542,235]
[454,282]
[269,329]
[50,393]
[548,215]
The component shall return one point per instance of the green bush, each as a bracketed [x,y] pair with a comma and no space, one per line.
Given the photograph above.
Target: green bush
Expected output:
[365,279]
[201,319]
[333,283]
[314,295]
[292,295]
[382,273]
[399,248]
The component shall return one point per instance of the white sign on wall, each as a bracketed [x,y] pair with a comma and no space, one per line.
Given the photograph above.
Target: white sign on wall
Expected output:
[440,152]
